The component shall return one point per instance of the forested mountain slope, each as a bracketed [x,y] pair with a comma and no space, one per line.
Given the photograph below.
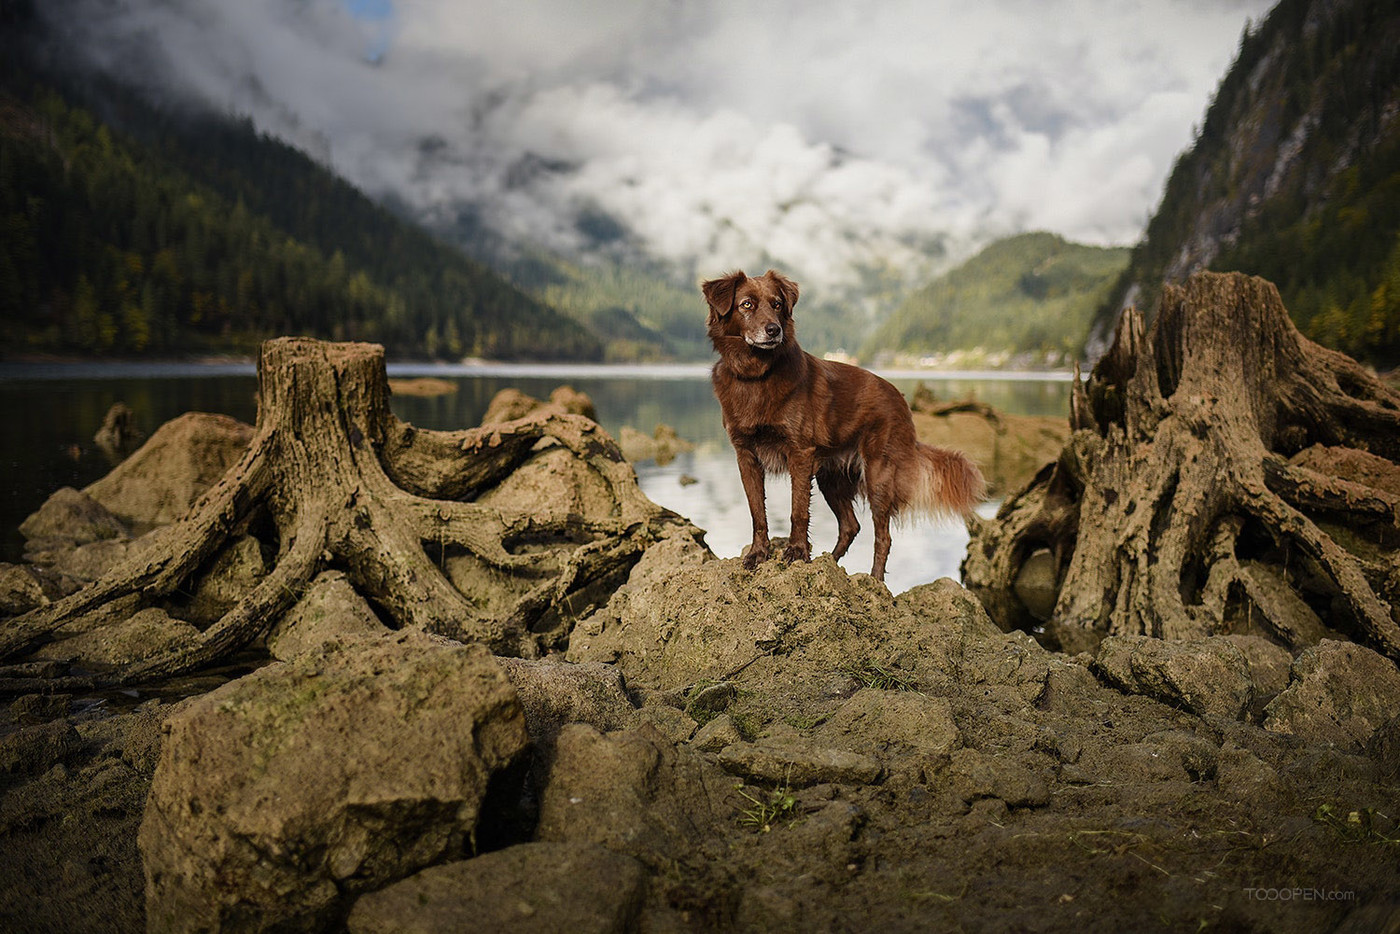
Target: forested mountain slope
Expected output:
[1294,176]
[1031,295]
[151,231]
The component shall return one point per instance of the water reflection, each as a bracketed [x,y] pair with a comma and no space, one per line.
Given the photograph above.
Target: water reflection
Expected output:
[51,413]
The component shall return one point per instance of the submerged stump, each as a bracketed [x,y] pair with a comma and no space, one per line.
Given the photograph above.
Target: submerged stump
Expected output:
[1225,475]
[333,480]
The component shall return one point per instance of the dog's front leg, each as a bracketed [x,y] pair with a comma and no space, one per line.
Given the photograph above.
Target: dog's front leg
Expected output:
[800,466]
[751,473]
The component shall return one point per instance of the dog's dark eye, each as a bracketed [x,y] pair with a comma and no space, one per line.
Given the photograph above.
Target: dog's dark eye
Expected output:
[777,306]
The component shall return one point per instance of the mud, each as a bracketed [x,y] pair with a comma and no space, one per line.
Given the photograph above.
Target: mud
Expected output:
[790,748]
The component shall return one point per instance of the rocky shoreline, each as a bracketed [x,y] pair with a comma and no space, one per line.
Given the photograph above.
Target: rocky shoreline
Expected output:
[786,749]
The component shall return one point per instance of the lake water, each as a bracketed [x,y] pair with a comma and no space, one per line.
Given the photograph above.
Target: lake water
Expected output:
[50,413]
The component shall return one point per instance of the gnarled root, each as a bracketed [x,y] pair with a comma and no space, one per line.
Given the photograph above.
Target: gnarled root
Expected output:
[1225,475]
[333,480]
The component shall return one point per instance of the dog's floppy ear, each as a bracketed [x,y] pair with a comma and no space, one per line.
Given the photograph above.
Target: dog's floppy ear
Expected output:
[786,287]
[719,293]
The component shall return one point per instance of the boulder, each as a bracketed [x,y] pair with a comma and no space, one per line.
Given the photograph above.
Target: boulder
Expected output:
[1018,779]
[70,518]
[573,402]
[671,722]
[21,589]
[554,487]
[791,644]
[799,766]
[89,562]
[36,748]
[555,484]
[1384,747]
[161,481]
[1269,663]
[119,437]
[330,609]
[892,723]
[711,620]
[631,791]
[716,735]
[1209,677]
[554,693]
[145,634]
[1008,448]
[661,446]
[234,572]
[532,887]
[29,709]
[510,404]
[1241,774]
[707,699]
[281,793]
[1338,693]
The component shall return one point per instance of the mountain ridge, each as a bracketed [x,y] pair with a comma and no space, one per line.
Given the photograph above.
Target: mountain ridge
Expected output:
[1294,176]
[151,232]
[1029,296]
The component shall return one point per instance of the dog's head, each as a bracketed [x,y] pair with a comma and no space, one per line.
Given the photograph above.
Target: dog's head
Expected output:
[759,310]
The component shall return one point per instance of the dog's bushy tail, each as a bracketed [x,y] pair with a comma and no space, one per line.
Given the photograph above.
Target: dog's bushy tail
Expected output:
[942,482]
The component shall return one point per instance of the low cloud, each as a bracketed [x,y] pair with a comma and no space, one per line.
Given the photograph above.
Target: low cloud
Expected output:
[822,137]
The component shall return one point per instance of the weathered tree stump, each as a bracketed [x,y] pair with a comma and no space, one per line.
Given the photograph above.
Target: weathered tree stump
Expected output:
[1225,475]
[332,479]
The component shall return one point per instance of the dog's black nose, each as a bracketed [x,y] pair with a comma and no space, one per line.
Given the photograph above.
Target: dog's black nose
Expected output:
[774,331]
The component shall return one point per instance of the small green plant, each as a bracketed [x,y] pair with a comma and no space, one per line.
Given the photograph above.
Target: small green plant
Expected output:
[805,723]
[749,723]
[881,677]
[762,814]
[702,715]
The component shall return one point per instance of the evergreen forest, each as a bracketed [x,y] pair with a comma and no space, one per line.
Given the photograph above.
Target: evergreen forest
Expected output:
[1031,295]
[156,232]
[1295,175]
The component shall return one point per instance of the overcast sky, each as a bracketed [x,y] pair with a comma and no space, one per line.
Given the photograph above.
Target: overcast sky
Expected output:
[826,135]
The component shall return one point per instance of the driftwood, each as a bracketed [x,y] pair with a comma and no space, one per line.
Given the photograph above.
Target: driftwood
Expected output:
[332,479]
[926,402]
[1225,475]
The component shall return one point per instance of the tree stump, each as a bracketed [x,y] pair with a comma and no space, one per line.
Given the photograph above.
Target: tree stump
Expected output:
[1225,475]
[333,480]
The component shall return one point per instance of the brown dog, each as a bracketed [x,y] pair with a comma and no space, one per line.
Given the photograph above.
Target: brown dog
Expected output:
[786,410]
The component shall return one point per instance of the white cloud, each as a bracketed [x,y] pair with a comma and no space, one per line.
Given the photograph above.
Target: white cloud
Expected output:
[824,135]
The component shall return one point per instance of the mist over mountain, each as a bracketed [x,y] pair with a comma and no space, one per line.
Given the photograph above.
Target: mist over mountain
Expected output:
[133,229]
[861,149]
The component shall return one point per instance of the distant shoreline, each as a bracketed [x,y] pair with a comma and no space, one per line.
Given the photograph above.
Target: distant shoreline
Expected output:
[55,369]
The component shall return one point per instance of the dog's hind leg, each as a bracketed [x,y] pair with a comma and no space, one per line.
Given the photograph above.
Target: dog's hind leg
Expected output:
[882,542]
[879,491]
[839,489]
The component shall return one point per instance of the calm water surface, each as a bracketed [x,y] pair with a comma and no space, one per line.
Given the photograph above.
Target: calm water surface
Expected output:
[51,411]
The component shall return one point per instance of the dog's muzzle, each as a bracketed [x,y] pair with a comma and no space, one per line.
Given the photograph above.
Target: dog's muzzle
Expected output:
[770,337]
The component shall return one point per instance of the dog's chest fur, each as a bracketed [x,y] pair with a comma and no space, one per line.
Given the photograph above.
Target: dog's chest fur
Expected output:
[773,415]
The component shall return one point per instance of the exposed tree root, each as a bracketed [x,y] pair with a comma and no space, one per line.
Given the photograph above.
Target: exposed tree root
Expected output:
[333,480]
[1225,475]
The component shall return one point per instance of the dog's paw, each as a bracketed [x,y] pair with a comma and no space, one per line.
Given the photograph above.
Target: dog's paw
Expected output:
[753,557]
[797,552]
